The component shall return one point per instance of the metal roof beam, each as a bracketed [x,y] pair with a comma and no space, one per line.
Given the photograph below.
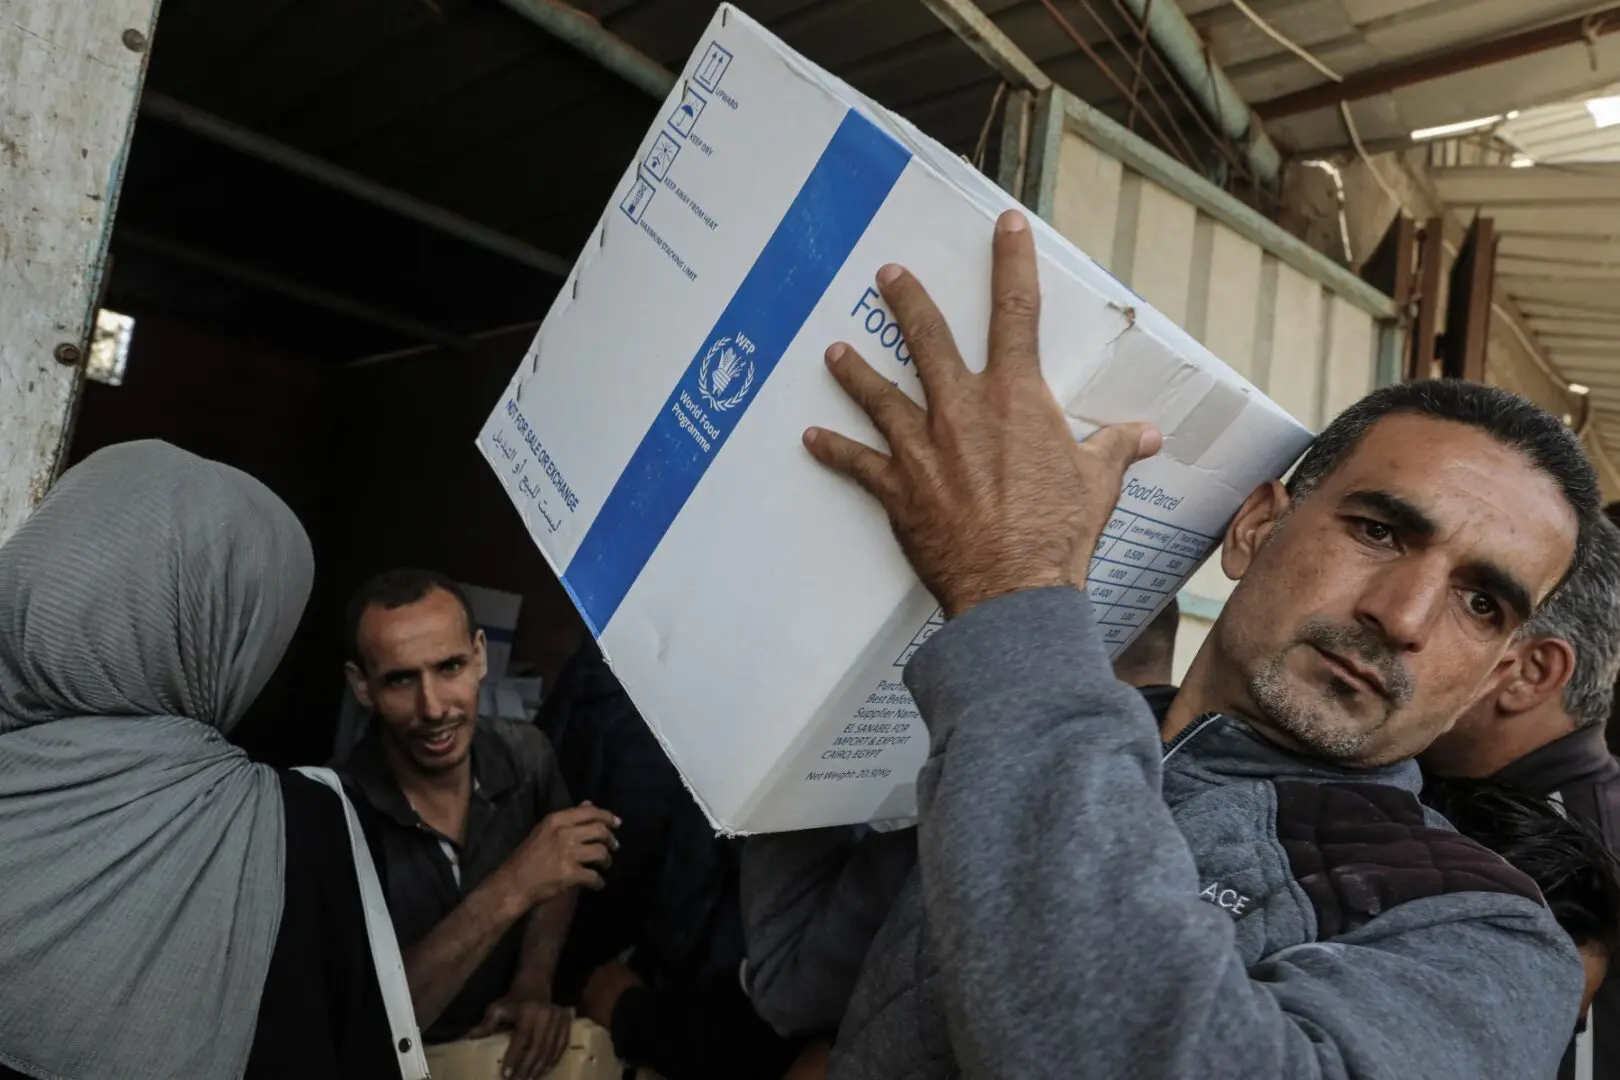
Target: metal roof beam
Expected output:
[238,138]
[1576,250]
[1589,328]
[1508,266]
[1562,343]
[984,37]
[1559,308]
[1381,80]
[574,27]
[231,270]
[1474,185]
[1565,219]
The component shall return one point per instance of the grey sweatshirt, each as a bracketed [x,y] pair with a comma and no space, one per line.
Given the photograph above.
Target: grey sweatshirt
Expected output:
[1081,900]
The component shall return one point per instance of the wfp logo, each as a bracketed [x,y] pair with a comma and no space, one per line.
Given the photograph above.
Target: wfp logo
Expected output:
[727,372]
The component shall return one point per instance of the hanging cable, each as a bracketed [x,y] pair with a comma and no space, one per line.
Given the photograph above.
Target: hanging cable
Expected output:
[1338,188]
[1285,41]
[1366,159]
[982,147]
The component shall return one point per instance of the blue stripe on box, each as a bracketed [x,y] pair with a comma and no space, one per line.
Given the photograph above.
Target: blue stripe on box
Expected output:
[828,217]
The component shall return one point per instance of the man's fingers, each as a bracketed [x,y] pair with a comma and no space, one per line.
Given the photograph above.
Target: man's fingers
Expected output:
[494,1017]
[562,1022]
[1123,445]
[857,461]
[518,1064]
[536,1059]
[891,411]
[583,815]
[928,335]
[594,833]
[1015,298]
[596,856]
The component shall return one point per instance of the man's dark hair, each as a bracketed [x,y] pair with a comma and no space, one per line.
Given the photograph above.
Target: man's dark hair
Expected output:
[393,589]
[1586,613]
[1152,654]
[1564,856]
[1517,424]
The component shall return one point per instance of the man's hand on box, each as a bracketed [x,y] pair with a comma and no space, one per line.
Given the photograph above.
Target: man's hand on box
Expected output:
[539,1030]
[986,488]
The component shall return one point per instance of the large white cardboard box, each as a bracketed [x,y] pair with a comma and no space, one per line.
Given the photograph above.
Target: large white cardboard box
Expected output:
[755,606]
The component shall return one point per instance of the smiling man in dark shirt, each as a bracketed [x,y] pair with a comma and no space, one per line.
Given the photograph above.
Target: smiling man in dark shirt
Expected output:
[470,821]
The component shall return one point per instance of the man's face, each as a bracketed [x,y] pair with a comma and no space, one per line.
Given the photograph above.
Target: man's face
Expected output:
[422,666]
[1382,604]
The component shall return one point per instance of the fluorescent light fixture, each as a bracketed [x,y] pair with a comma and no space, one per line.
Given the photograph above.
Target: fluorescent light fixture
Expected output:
[109,347]
[1513,114]
[1605,110]
[1579,388]
[1460,128]
[1522,161]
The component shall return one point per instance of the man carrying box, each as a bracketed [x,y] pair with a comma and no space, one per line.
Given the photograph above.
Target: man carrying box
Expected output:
[478,849]
[1252,890]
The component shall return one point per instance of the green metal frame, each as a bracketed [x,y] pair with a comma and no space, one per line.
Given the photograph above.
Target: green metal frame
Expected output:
[1112,138]
[1044,151]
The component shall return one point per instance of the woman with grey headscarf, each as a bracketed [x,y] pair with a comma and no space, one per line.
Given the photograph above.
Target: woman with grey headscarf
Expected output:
[167,907]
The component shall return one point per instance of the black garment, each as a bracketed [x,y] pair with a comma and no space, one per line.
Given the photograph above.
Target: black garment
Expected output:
[1579,772]
[671,896]
[1159,698]
[515,784]
[669,871]
[702,1029]
[321,1015]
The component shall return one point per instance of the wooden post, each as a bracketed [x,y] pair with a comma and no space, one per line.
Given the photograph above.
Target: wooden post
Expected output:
[1391,269]
[1468,307]
[1426,326]
[71,75]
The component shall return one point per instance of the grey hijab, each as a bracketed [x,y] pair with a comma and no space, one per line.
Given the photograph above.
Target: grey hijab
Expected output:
[142,608]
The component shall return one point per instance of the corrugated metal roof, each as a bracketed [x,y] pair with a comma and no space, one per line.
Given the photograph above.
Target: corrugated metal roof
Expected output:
[1566,132]
[1559,262]
[1352,36]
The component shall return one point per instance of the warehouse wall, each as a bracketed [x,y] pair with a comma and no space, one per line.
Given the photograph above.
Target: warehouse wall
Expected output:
[1311,348]
[1307,347]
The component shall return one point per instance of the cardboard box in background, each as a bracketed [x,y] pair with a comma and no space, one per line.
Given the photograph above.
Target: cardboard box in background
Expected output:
[496,613]
[756,606]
